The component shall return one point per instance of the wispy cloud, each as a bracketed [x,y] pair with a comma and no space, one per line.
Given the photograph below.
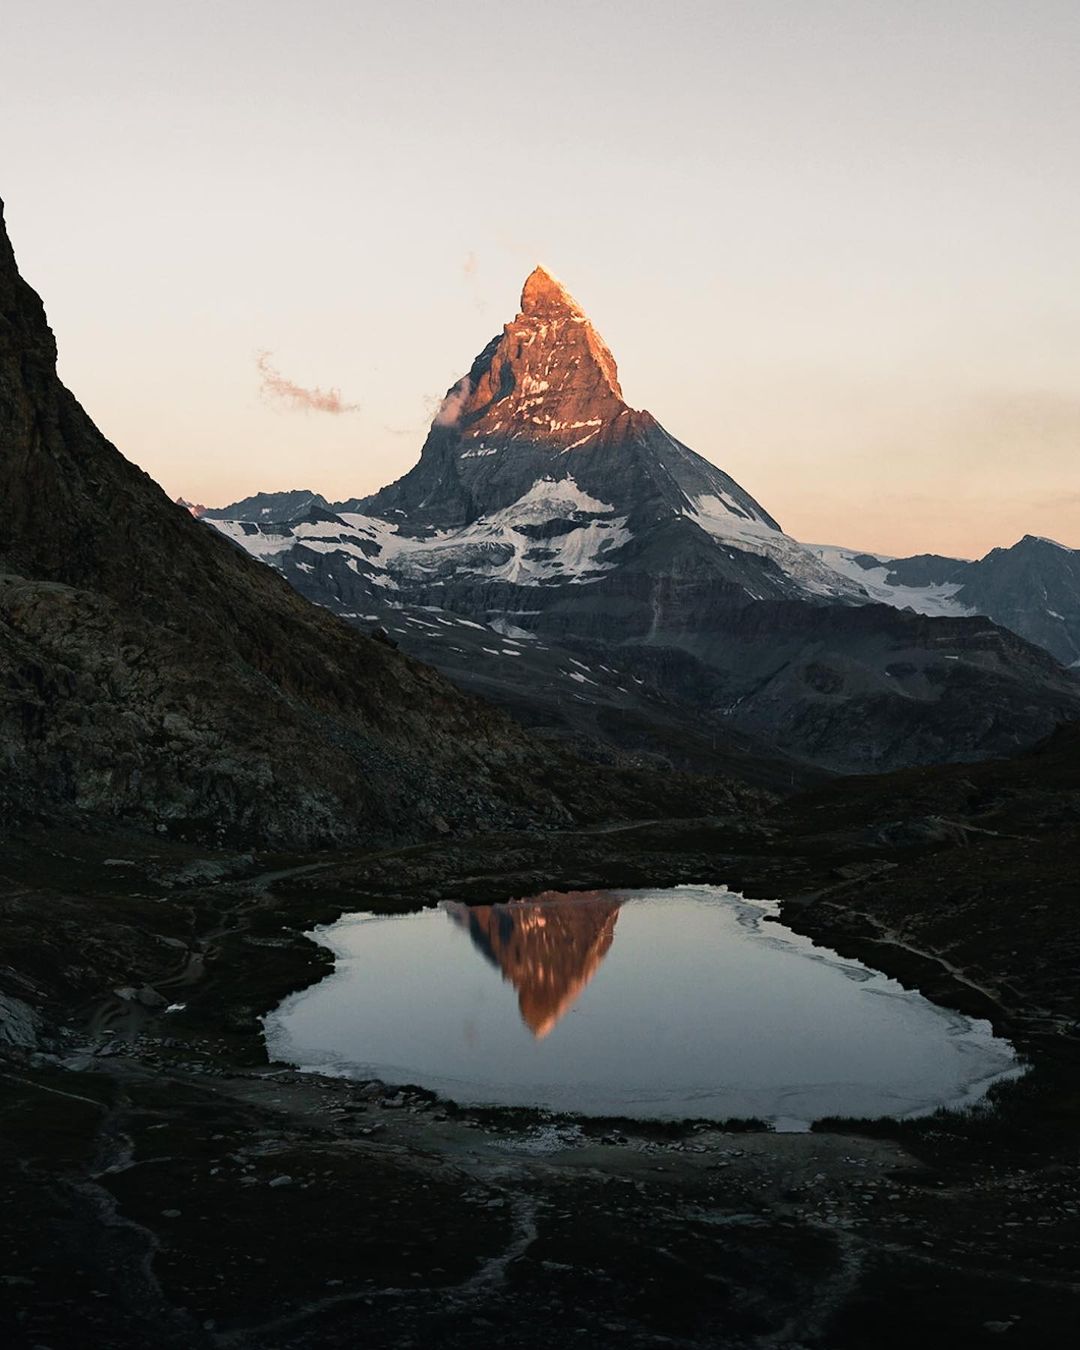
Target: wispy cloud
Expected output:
[452,404]
[275,386]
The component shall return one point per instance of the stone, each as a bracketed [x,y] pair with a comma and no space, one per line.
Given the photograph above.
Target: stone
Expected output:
[20,1024]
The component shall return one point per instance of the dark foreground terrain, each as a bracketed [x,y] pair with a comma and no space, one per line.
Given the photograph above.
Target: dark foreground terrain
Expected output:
[163,1185]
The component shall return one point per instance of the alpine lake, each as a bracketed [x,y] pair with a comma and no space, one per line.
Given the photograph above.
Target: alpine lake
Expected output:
[689,1002]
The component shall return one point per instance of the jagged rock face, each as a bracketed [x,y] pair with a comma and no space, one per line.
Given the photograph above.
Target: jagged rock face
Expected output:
[1032,588]
[542,401]
[549,378]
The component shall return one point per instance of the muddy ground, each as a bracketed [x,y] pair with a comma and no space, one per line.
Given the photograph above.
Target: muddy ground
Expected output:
[163,1185]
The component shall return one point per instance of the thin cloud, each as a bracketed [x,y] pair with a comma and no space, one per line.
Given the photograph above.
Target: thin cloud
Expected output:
[274,385]
[452,404]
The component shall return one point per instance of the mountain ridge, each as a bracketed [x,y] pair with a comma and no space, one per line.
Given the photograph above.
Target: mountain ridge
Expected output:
[1031,587]
[546,511]
[543,398]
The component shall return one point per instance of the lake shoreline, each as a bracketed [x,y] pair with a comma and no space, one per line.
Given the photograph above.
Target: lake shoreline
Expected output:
[766,1024]
[956,1203]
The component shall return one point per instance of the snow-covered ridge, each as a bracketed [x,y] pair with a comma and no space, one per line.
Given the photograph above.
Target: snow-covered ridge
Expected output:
[261,541]
[510,544]
[494,547]
[722,518]
[935,600]
[549,499]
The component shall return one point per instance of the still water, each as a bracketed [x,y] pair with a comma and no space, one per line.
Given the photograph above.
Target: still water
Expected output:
[691,1001]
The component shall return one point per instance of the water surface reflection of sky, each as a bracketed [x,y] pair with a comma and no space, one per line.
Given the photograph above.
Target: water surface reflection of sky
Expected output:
[684,1002]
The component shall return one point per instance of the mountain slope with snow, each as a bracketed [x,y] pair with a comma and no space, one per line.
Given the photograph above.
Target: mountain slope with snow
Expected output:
[544,506]
[1032,588]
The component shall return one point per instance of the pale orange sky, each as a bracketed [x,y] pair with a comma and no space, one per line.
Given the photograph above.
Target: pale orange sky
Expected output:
[832,244]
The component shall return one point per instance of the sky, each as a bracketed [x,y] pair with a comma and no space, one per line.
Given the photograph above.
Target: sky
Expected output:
[831,243]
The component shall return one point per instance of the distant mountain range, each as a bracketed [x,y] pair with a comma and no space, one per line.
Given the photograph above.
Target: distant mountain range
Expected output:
[566,556]
[1032,588]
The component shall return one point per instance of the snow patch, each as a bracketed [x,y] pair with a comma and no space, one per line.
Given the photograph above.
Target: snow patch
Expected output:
[587,437]
[935,601]
[723,518]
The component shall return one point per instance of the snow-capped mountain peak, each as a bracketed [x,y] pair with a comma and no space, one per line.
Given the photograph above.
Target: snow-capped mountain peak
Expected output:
[548,381]
[543,400]
[552,541]
[537,471]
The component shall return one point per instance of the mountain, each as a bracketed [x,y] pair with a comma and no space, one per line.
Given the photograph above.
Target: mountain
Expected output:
[153,674]
[1032,588]
[536,467]
[269,508]
[567,556]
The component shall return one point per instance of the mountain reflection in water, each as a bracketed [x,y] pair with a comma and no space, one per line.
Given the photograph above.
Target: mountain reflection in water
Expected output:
[548,947]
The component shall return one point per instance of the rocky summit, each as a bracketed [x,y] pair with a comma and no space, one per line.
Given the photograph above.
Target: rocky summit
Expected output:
[563,554]
[543,401]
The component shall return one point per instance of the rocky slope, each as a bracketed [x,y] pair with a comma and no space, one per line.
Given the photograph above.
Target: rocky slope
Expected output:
[611,569]
[152,672]
[1032,588]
